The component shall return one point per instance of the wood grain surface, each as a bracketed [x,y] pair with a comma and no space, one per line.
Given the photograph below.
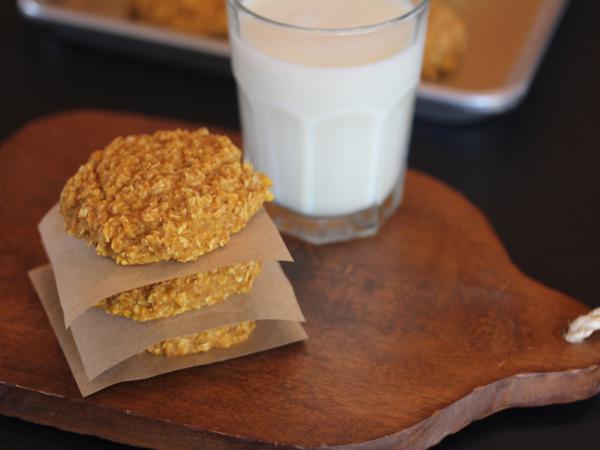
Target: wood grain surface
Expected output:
[414,333]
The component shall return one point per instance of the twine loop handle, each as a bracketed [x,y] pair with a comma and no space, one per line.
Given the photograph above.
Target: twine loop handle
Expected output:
[583,327]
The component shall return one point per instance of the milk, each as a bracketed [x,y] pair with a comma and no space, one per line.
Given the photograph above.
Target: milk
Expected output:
[327,115]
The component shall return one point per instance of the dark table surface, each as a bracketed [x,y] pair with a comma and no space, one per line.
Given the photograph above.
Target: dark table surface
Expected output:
[535,173]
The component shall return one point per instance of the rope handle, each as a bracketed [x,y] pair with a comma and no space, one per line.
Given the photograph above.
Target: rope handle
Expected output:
[583,327]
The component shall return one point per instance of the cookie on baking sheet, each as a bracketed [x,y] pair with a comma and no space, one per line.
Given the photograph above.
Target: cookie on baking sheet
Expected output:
[176,296]
[220,337]
[172,195]
[446,42]
[203,17]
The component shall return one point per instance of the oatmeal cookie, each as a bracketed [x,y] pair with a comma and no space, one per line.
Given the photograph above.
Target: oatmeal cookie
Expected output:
[446,43]
[220,337]
[203,17]
[172,195]
[176,296]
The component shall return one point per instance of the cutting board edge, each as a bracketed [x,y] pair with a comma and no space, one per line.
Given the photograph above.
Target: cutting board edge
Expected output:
[81,417]
[548,388]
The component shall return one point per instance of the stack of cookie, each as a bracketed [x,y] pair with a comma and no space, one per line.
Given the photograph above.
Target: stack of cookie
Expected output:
[174,195]
[175,218]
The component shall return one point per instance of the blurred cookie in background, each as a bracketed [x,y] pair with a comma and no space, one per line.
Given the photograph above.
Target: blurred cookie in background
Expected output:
[204,17]
[446,43]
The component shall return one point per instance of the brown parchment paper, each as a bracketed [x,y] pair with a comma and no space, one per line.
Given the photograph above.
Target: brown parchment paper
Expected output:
[267,335]
[104,340]
[83,278]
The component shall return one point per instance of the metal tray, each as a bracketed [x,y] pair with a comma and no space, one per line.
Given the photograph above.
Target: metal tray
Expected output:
[506,43]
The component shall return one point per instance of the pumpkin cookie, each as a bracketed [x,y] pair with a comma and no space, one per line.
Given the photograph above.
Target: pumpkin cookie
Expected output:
[176,296]
[220,337]
[204,17]
[446,43]
[172,195]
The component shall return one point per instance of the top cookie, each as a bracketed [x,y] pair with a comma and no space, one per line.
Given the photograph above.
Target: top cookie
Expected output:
[173,195]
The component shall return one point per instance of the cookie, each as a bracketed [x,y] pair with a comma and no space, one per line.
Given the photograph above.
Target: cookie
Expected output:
[220,337]
[172,195]
[203,17]
[446,43]
[176,296]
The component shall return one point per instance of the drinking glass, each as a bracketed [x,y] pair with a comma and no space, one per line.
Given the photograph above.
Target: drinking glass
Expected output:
[327,113]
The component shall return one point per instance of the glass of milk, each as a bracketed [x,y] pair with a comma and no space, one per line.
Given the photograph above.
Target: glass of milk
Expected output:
[326,92]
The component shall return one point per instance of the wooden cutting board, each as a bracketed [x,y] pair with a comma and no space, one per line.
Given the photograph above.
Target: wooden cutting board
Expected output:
[414,333]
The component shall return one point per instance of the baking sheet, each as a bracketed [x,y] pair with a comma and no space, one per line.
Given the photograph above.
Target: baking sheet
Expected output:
[506,43]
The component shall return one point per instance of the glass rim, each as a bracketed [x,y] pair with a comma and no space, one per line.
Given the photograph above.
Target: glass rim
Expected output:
[414,11]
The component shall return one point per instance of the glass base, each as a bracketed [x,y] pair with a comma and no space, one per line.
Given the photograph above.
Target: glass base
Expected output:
[326,230]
